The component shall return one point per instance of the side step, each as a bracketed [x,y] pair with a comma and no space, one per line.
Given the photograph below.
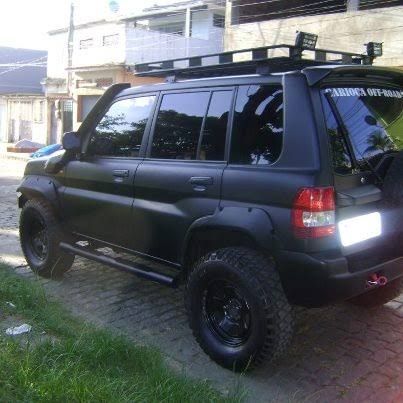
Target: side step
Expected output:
[120,264]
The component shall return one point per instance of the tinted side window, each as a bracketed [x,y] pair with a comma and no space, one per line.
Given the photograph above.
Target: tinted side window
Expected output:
[121,130]
[257,136]
[178,125]
[215,126]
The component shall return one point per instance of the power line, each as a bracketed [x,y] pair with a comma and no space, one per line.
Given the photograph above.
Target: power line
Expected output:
[182,12]
[355,15]
[336,9]
[20,66]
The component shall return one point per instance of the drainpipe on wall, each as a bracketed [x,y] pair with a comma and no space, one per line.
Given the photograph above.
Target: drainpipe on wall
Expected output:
[188,29]
[70,45]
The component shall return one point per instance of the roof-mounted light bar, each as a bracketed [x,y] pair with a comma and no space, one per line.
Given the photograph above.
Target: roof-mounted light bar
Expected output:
[374,49]
[258,60]
[305,40]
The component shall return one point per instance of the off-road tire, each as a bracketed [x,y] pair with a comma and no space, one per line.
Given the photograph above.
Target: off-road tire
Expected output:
[54,262]
[271,314]
[379,296]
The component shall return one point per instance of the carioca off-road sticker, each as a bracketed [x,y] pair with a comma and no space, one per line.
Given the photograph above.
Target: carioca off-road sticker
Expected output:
[365,92]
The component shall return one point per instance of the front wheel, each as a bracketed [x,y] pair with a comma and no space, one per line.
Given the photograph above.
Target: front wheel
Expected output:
[237,308]
[40,235]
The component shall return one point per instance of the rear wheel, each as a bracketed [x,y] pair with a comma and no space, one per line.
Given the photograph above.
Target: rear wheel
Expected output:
[379,296]
[237,308]
[40,235]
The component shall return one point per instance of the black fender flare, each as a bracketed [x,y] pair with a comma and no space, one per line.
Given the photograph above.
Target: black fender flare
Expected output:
[252,222]
[36,186]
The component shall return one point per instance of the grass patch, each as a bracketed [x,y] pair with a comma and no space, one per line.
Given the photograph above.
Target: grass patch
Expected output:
[79,362]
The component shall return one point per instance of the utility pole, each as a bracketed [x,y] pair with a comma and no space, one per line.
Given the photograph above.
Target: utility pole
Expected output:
[70,45]
[353,5]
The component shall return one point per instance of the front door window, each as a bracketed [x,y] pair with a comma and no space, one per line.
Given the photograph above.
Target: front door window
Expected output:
[121,130]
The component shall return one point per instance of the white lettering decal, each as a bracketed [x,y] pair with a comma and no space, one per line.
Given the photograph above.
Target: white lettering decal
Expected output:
[364,92]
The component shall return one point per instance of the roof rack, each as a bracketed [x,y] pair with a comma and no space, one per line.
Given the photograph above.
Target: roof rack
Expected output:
[253,61]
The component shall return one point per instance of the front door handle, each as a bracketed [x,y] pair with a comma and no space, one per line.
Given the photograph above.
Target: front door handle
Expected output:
[201,180]
[121,173]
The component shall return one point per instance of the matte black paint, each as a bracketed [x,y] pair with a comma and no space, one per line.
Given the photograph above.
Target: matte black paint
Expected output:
[153,207]
[166,203]
[96,202]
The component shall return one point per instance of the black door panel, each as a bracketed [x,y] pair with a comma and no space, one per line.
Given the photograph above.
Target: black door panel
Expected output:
[96,202]
[190,132]
[99,190]
[167,202]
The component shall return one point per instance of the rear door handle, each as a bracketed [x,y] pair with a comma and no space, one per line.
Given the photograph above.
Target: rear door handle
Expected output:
[201,180]
[121,173]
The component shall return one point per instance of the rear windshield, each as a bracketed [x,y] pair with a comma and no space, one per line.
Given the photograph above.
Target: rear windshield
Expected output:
[363,124]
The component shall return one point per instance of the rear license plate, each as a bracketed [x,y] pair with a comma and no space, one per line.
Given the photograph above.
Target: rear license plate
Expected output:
[360,228]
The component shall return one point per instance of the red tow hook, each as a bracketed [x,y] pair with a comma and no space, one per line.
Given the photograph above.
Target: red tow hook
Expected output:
[376,280]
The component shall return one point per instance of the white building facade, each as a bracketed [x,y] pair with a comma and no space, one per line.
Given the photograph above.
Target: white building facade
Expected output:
[340,24]
[104,52]
[22,99]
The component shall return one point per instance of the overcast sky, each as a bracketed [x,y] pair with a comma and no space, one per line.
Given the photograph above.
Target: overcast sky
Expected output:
[24,23]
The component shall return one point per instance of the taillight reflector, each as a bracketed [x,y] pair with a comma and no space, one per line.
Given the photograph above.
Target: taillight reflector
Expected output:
[313,213]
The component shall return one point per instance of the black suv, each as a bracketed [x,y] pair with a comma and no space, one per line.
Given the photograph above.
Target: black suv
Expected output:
[262,190]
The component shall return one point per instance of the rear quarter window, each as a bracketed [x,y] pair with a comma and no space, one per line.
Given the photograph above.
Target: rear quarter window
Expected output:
[257,134]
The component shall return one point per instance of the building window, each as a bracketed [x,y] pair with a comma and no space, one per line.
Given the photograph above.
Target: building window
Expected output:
[67,115]
[104,82]
[86,43]
[166,26]
[177,28]
[218,21]
[110,40]
[39,108]
[84,105]
[247,11]
[68,106]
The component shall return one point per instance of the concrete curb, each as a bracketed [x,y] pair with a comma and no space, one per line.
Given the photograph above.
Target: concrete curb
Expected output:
[14,156]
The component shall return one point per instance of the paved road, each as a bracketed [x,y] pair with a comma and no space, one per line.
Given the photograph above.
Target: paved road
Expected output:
[339,353]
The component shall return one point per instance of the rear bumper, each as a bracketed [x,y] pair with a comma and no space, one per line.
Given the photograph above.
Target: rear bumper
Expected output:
[317,280]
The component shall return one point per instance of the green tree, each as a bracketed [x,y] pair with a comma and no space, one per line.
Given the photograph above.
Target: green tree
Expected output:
[379,141]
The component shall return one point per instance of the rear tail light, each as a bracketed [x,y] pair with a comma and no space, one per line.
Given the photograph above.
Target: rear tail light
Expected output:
[313,213]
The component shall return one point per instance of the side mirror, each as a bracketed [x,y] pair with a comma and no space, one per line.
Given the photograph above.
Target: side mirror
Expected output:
[71,141]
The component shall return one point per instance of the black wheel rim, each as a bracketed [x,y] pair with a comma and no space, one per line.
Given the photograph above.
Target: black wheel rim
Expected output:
[37,237]
[227,312]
